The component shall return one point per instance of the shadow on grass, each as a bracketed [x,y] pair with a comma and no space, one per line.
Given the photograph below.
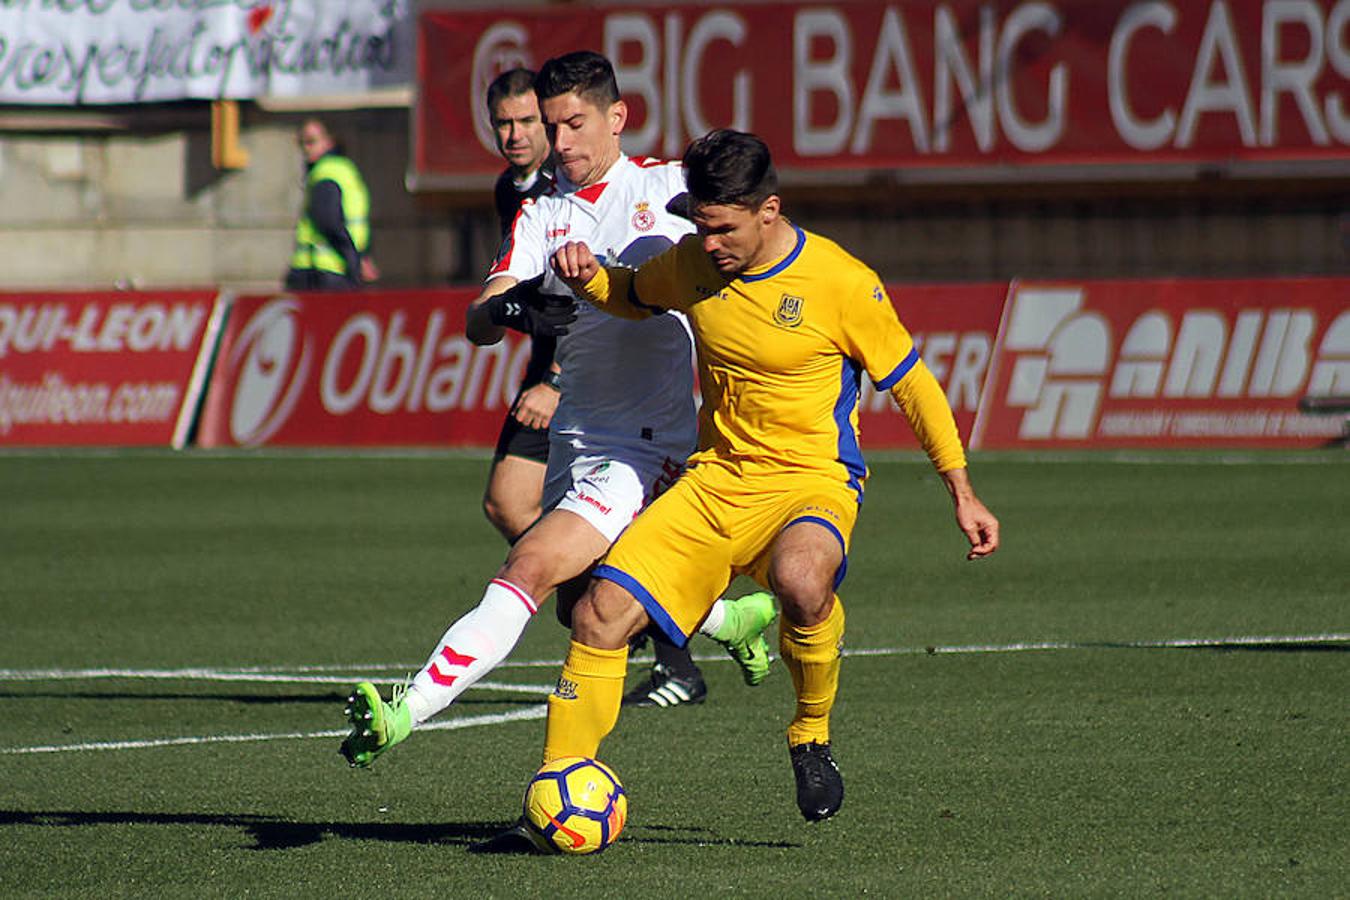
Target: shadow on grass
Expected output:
[1247,647]
[270,833]
[1310,647]
[1332,645]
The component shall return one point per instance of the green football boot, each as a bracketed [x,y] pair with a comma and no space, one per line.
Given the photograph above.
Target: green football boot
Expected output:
[376,725]
[742,634]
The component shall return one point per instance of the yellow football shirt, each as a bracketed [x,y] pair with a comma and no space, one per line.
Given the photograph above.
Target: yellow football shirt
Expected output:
[781,353]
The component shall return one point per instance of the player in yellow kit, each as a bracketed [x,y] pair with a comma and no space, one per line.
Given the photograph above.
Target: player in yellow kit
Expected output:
[785,323]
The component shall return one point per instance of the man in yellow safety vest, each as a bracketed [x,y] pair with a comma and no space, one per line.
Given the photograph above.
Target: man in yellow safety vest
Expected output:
[333,234]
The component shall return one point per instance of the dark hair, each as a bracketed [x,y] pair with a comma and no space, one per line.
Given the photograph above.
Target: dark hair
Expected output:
[339,145]
[727,167]
[585,72]
[511,83]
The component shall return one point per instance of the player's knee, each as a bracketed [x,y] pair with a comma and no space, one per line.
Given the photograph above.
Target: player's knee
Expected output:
[494,511]
[510,519]
[569,592]
[805,608]
[587,626]
[605,618]
[527,571]
[804,593]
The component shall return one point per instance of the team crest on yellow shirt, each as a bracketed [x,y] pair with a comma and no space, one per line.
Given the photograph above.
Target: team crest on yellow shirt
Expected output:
[789,311]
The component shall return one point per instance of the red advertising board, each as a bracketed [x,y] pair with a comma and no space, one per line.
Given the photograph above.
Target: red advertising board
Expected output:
[395,369]
[954,327]
[925,87]
[1091,364]
[104,368]
[1167,364]
[1054,365]
[377,368]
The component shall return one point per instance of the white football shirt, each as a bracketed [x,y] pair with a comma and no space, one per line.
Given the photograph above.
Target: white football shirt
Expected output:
[623,383]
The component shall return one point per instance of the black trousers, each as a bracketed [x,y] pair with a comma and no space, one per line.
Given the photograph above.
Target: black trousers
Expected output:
[317,280]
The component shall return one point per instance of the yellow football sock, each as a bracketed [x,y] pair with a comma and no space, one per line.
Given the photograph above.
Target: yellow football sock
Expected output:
[585,705]
[812,656]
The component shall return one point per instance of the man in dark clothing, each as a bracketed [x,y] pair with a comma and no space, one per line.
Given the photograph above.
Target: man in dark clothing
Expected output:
[516,481]
[333,234]
[519,130]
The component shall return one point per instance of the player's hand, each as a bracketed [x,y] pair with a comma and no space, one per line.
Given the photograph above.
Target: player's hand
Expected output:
[978,524]
[370,272]
[974,519]
[536,405]
[575,263]
[524,308]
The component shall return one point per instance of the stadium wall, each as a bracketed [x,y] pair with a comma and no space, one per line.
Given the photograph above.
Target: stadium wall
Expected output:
[128,197]
[144,209]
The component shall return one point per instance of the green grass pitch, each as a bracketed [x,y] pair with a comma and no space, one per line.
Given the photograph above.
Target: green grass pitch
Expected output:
[178,631]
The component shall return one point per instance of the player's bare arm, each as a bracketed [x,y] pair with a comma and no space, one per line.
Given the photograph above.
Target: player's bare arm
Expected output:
[972,516]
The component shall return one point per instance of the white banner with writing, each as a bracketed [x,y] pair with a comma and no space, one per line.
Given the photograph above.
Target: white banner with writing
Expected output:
[71,52]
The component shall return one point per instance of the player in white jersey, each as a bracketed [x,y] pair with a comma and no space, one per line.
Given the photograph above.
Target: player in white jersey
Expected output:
[624,425]
[626,386]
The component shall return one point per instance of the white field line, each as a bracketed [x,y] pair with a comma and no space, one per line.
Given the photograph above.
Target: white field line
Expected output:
[346,673]
[314,674]
[1294,640]
[297,675]
[519,715]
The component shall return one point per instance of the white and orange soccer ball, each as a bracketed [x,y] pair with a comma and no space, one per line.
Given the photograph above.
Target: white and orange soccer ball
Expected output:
[577,805]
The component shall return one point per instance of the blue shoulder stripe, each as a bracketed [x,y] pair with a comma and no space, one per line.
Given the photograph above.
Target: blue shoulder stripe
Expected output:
[900,371]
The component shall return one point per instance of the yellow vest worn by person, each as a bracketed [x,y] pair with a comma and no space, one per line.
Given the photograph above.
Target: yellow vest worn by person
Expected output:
[312,250]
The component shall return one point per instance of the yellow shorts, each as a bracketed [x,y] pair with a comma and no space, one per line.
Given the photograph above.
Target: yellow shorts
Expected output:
[716,523]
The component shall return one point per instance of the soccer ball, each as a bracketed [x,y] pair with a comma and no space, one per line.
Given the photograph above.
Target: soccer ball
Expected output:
[576,805]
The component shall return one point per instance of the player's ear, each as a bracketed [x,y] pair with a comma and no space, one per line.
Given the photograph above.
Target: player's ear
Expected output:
[770,209]
[618,116]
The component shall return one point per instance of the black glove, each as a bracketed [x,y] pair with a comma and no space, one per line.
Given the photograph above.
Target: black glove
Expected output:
[524,308]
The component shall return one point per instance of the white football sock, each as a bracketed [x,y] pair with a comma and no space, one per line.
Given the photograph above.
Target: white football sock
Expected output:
[712,623]
[470,648]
